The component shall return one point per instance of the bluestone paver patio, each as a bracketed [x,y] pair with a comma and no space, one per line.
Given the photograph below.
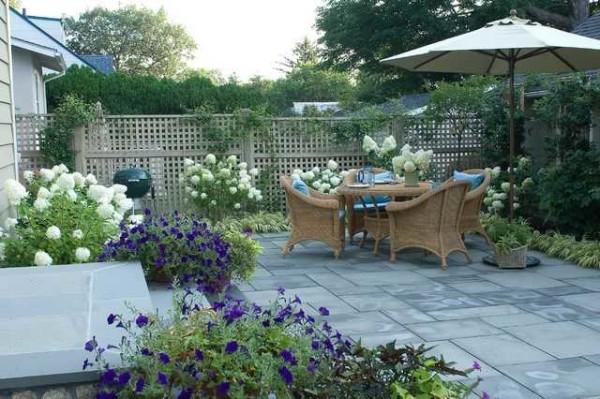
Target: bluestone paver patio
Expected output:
[536,332]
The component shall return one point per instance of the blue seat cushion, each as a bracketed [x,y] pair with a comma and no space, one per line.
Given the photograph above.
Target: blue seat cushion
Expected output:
[300,186]
[473,180]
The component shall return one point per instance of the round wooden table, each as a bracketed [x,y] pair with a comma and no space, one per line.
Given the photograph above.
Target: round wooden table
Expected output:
[397,191]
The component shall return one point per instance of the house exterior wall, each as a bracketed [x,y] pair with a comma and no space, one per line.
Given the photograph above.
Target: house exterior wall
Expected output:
[8,167]
[30,98]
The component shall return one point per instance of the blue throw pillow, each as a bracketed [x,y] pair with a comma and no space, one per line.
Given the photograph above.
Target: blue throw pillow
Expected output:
[473,180]
[299,185]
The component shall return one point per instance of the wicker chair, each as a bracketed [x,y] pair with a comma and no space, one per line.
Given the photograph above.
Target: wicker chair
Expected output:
[470,220]
[316,217]
[430,222]
[356,220]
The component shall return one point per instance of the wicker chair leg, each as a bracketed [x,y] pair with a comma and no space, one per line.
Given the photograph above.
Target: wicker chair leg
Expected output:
[364,239]
[392,255]
[468,257]
[444,263]
[376,248]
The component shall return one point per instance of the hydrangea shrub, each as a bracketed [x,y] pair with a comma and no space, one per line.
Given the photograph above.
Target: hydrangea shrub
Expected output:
[218,188]
[240,350]
[496,198]
[175,247]
[62,218]
[324,179]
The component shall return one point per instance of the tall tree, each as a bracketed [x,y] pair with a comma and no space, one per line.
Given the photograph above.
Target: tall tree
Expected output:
[142,41]
[305,52]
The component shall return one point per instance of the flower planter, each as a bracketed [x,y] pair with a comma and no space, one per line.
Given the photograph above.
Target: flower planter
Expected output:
[411,179]
[516,259]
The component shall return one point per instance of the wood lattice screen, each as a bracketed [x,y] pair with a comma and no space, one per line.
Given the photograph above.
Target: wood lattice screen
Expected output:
[160,143]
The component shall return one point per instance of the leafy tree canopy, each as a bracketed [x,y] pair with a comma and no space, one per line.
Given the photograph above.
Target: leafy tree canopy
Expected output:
[142,41]
[357,34]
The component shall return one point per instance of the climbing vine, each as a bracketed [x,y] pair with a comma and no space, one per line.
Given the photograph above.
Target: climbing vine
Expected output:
[56,139]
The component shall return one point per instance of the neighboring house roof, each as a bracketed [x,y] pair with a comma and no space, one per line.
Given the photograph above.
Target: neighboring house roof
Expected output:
[103,63]
[24,29]
[590,27]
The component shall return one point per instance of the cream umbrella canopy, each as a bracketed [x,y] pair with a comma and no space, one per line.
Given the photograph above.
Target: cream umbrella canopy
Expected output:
[505,47]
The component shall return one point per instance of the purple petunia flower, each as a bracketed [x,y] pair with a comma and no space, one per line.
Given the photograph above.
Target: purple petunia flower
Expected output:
[315,345]
[199,355]
[223,388]
[86,364]
[476,366]
[281,290]
[231,347]
[108,377]
[323,311]
[312,365]
[485,395]
[233,314]
[286,375]
[106,395]
[124,378]
[91,344]
[111,319]
[146,352]
[288,357]
[164,358]
[185,394]
[141,320]
[162,378]
[139,385]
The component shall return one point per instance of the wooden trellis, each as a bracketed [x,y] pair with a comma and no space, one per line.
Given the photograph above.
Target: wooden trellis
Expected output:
[160,143]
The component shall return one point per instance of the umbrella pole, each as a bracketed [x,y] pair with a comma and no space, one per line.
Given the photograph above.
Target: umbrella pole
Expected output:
[511,150]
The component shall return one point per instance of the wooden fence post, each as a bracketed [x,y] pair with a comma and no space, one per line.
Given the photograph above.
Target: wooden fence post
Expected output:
[247,144]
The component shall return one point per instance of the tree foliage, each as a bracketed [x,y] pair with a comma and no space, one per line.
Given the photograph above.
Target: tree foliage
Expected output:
[140,40]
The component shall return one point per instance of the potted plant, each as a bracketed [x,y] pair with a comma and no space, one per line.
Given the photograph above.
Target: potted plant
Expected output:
[412,164]
[511,241]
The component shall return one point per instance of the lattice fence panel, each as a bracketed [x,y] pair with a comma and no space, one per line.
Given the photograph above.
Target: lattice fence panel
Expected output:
[29,128]
[160,143]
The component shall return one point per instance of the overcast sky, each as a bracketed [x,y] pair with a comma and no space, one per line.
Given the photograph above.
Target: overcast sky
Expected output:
[245,37]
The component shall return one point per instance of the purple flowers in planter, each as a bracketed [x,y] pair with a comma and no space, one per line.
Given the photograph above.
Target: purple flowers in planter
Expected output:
[162,378]
[141,320]
[286,375]
[288,357]
[175,247]
[231,347]
[323,311]
[164,358]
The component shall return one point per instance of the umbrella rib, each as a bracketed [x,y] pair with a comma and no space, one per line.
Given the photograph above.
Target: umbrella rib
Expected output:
[489,68]
[535,53]
[431,59]
[567,63]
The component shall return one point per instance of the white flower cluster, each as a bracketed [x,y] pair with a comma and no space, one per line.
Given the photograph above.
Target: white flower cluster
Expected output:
[370,146]
[111,202]
[497,194]
[409,161]
[325,180]
[207,182]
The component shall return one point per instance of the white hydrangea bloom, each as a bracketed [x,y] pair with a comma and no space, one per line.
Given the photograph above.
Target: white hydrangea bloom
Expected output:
[90,180]
[316,184]
[243,165]
[188,189]
[42,258]
[15,191]
[53,233]
[505,187]
[28,175]
[119,188]
[136,219]
[233,190]
[79,179]
[82,254]
[203,195]
[77,234]
[41,204]
[210,159]
[496,171]
[516,205]
[389,145]
[47,175]
[409,166]
[225,172]
[213,202]
[97,192]
[105,211]
[335,181]
[253,172]
[65,182]
[195,179]
[332,165]
[124,204]
[237,206]
[188,162]
[194,194]
[369,144]
[497,205]
[10,223]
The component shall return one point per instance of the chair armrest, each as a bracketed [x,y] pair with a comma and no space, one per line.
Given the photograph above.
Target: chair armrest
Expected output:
[396,206]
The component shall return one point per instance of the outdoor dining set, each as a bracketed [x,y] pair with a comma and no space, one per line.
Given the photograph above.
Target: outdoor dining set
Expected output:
[433,217]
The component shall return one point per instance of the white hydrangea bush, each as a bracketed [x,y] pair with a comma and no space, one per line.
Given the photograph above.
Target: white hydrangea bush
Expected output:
[218,188]
[63,218]
[380,156]
[496,198]
[410,161]
[323,179]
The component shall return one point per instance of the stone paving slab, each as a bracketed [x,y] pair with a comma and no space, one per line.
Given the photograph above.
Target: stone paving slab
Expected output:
[560,379]
[520,325]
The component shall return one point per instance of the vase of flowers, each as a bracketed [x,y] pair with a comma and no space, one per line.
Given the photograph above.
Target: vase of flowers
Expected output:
[379,156]
[412,165]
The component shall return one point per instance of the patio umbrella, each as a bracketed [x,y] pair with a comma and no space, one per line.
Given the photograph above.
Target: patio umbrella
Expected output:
[505,47]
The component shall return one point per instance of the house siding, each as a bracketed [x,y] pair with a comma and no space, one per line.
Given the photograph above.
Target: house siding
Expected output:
[7,148]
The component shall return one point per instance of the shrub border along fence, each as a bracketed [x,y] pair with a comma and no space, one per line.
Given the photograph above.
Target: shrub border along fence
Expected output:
[160,143]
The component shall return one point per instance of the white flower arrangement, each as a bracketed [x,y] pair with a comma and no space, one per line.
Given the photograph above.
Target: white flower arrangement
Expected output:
[217,187]
[496,199]
[325,180]
[409,161]
[58,213]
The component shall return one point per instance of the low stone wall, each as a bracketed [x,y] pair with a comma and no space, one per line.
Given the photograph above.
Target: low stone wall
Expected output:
[73,391]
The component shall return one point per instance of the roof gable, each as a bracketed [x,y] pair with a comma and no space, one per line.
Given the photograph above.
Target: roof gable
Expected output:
[590,27]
